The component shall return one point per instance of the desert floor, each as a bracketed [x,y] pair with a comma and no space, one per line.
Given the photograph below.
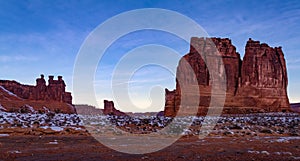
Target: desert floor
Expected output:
[80,147]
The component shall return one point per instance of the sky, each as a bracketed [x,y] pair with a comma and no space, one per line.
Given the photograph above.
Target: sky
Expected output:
[44,37]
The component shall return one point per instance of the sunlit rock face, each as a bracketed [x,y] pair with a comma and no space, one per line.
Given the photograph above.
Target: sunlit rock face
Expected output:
[256,84]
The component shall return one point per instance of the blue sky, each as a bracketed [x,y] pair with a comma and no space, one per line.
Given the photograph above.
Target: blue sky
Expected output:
[45,36]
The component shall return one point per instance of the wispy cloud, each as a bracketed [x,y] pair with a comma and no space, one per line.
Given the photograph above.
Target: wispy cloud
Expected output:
[16,58]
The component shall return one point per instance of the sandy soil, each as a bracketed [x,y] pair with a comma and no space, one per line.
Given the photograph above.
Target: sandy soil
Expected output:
[80,147]
[273,136]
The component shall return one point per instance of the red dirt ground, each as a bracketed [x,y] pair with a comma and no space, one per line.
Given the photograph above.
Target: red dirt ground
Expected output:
[79,147]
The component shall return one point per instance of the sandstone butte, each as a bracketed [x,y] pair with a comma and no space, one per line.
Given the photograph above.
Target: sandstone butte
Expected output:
[258,83]
[16,97]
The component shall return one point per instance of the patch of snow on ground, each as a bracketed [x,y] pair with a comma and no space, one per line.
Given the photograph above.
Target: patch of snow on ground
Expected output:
[296,158]
[46,109]
[253,152]
[30,108]
[258,152]
[286,153]
[15,151]
[77,128]
[53,142]
[286,139]
[56,128]
[2,135]
[265,152]
[44,127]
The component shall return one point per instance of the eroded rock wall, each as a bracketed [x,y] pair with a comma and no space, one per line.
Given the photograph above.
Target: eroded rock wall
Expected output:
[52,96]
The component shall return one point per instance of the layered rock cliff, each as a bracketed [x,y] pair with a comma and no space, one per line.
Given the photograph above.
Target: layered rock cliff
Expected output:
[15,96]
[256,84]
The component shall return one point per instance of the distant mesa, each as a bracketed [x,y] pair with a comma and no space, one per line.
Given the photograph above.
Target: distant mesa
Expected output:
[40,98]
[256,84]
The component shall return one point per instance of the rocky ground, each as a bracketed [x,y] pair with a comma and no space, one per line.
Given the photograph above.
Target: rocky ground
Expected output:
[32,136]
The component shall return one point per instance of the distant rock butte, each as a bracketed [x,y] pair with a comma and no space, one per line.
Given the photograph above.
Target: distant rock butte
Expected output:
[41,97]
[109,109]
[256,84]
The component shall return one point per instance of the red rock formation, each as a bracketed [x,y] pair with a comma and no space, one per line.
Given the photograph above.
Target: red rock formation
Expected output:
[55,91]
[170,102]
[258,84]
[264,77]
[109,109]
[52,96]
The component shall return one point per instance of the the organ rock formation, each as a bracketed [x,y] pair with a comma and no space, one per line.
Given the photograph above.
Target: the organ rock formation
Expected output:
[41,97]
[256,84]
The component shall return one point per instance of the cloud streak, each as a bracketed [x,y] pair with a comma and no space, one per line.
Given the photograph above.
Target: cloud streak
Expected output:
[6,58]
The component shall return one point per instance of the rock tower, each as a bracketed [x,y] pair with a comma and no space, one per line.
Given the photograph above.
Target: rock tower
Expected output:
[256,84]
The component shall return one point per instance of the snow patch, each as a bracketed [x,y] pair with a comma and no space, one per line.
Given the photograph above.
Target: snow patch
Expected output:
[77,128]
[8,92]
[30,108]
[253,152]
[265,152]
[287,153]
[258,152]
[53,142]
[296,158]
[286,139]
[56,128]
[44,127]
[2,108]
[282,140]
[2,135]
[15,151]
[46,109]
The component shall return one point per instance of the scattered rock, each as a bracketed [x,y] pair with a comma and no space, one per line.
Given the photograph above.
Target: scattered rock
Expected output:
[268,131]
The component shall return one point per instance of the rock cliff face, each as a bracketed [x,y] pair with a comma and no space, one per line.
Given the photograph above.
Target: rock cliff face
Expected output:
[52,97]
[55,91]
[256,84]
